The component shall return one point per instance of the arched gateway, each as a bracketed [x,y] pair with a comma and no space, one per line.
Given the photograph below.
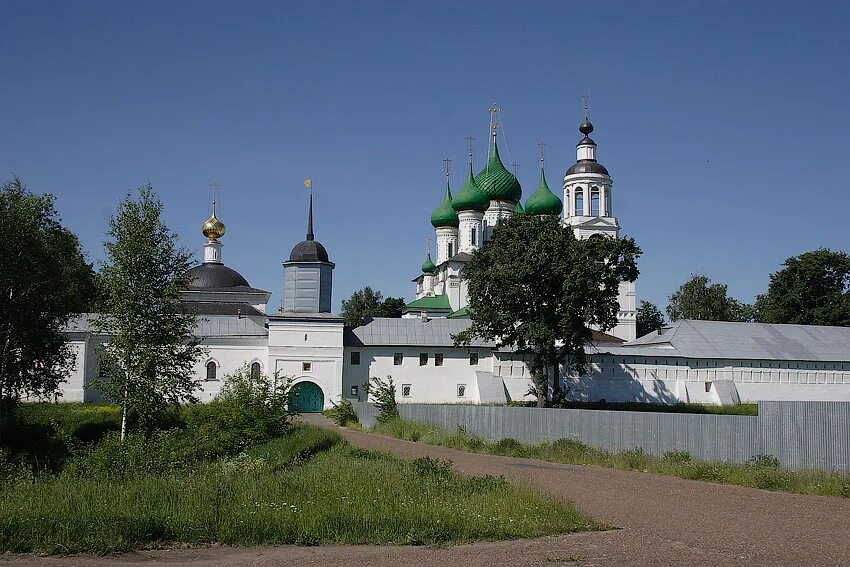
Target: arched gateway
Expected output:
[307,397]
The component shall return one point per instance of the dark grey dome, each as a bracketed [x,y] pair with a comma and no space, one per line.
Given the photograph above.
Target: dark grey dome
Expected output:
[586,127]
[587,166]
[309,251]
[214,276]
[586,142]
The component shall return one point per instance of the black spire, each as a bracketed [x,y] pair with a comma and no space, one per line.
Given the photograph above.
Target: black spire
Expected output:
[310,219]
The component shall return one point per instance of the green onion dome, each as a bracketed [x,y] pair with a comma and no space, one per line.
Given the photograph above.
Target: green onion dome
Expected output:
[543,201]
[496,181]
[428,266]
[519,210]
[471,197]
[445,215]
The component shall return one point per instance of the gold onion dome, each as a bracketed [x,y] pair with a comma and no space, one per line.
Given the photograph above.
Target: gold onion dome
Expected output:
[213,228]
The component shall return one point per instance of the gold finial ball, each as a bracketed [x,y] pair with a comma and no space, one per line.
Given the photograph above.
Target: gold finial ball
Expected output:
[213,228]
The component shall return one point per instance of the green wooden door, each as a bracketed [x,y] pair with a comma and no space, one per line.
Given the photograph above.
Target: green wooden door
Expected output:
[307,397]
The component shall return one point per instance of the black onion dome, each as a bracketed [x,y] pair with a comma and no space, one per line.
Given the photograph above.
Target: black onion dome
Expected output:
[215,276]
[309,251]
[587,166]
[586,127]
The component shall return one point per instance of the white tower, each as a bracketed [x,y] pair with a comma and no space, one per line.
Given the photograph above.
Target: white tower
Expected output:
[587,191]
[588,210]
[470,204]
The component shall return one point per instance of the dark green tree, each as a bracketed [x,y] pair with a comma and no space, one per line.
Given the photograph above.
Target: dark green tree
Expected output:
[537,288]
[700,299]
[811,289]
[147,363]
[649,318]
[44,280]
[370,303]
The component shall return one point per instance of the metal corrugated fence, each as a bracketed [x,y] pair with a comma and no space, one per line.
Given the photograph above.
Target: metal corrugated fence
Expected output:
[799,434]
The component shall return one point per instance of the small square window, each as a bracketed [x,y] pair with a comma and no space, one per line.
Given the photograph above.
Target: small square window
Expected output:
[355,358]
[473,358]
[461,390]
[438,359]
[423,359]
[354,391]
[708,386]
[306,366]
[398,358]
[405,390]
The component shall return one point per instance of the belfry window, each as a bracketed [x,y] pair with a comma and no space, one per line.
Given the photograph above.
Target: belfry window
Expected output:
[579,202]
[594,202]
[473,236]
[212,369]
[451,249]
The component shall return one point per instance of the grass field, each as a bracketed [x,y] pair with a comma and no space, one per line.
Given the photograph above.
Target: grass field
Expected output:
[308,487]
[763,472]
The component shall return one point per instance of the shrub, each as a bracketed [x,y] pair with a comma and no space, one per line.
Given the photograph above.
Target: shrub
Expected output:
[677,457]
[384,394]
[343,413]
[764,461]
[247,411]
[433,468]
[635,459]
[508,446]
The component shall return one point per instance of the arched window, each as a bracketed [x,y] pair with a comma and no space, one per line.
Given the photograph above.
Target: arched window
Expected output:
[212,369]
[473,237]
[579,202]
[451,249]
[255,370]
[594,202]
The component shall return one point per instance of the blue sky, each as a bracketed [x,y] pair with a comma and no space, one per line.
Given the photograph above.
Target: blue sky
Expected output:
[726,125]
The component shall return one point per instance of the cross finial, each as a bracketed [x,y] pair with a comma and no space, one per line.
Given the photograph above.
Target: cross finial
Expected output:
[494,120]
[515,167]
[448,162]
[215,188]
[428,240]
[586,104]
[542,147]
[470,142]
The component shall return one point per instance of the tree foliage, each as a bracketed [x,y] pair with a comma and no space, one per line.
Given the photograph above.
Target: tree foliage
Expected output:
[367,302]
[146,364]
[648,318]
[44,280]
[537,288]
[811,289]
[700,299]
[384,394]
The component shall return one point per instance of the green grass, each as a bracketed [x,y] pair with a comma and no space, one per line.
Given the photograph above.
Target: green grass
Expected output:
[737,409]
[307,488]
[762,472]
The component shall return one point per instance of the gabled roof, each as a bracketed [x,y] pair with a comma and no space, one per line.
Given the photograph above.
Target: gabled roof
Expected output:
[462,312]
[461,257]
[758,341]
[409,332]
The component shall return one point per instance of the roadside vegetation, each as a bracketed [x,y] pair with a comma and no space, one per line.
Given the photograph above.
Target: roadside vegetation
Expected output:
[239,472]
[763,471]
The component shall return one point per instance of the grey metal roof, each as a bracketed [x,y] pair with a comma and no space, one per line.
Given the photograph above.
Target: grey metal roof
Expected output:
[410,331]
[587,166]
[218,308]
[309,251]
[757,341]
[213,275]
[230,326]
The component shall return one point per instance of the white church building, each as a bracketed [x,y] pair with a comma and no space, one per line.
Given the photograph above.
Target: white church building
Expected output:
[688,361]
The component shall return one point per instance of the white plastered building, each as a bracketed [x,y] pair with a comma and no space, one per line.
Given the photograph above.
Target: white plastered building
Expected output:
[688,361]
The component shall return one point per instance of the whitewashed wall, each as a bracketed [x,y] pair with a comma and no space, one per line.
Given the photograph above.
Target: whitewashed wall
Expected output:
[429,383]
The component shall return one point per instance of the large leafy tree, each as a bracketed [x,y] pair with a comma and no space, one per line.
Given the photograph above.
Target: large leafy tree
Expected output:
[811,289]
[648,318]
[44,280]
[146,363]
[537,288]
[367,302]
[700,299]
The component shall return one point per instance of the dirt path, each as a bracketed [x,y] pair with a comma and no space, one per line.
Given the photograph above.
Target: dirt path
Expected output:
[661,520]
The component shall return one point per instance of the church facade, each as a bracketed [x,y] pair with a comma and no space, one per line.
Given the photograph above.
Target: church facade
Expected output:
[689,361]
